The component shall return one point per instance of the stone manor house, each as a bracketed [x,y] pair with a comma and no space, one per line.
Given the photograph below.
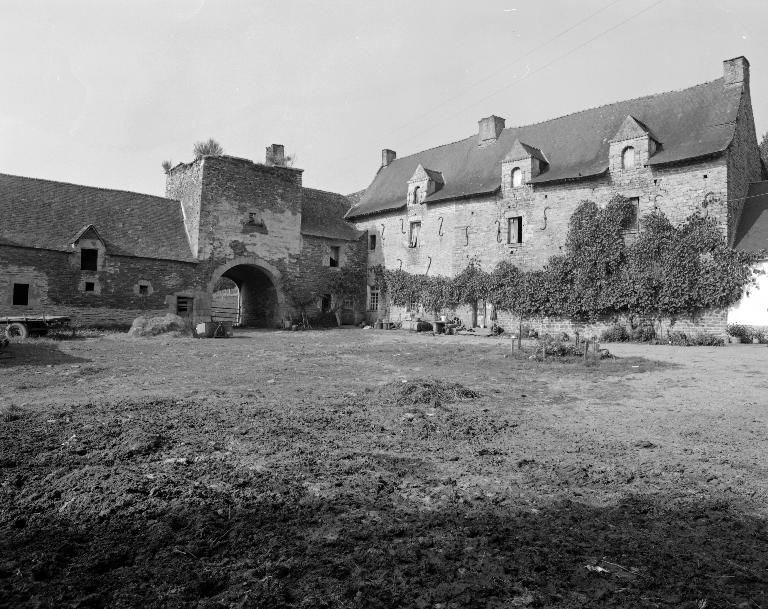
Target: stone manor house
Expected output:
[232,226]
[508,193]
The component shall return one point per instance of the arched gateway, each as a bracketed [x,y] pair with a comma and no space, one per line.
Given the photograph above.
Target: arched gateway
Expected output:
[256,302]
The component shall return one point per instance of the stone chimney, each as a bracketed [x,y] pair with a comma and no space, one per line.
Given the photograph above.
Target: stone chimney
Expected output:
[387,156]
[276,155]
[489,129]
[736,71]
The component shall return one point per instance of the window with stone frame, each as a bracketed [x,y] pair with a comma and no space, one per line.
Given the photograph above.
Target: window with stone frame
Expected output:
[20,295]
[515,230]
[416,195]
[90,286]
[628,158]
[89,259]
[373,300]
[143,289]
[517,177]
[371,242]
[415,231]
[335,256]
[632,223]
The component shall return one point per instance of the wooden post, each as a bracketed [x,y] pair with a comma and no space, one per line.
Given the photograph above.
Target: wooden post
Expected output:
[520,335]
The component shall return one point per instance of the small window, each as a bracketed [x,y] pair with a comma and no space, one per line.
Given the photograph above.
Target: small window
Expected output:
[515,230]
[184,305]
[89,259]
[347,303]
[90,286]
[325,303]
[414,234]
[416,195]
[628,158]
[21,294]
[632,223]
[143,290]
[517,177]
[373,300]
[335,255]
[371,242]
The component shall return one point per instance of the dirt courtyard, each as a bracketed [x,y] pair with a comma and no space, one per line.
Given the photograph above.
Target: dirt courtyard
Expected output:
[274,469]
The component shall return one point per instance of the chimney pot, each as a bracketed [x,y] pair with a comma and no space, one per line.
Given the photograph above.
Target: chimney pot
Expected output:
[276,155]
[387,156]
[736,71]
[489,129]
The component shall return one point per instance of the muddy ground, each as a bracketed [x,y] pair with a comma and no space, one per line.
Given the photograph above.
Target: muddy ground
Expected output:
[275,470]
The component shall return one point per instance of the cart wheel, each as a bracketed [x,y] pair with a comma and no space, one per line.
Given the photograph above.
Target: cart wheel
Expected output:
[16,331]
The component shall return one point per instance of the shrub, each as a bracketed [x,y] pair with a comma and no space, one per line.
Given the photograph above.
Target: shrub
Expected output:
[615,334]
[760,335]
[701,339]
[739,331]
[644,333]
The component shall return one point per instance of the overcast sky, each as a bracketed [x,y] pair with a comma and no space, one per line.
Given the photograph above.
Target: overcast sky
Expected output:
[100,92]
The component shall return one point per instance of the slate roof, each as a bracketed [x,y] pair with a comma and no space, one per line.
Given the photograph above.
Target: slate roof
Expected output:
[322,215]
[50,215]
[752,233]
[691,123]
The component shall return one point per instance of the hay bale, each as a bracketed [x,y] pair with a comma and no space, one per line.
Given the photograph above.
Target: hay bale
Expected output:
[154,326]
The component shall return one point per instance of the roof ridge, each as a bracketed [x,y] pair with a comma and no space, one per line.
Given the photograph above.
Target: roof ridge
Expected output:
[120,190]
[621,101]
[548,120]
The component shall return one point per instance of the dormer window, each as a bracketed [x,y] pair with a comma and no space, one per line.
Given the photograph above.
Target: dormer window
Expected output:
[517,177]
[89,259]
[628,158]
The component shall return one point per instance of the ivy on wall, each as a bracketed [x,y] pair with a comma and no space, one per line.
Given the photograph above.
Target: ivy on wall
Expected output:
[661,271]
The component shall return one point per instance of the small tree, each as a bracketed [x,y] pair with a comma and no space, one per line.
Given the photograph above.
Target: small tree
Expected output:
[167,166]
[209,148]
[764,148]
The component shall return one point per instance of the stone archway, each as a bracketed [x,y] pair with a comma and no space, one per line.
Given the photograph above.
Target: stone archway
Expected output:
[259,302]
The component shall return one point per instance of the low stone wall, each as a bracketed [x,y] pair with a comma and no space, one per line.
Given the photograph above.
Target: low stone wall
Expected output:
[711,322]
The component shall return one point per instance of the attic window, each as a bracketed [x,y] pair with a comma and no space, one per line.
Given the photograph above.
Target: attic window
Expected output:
[517,177]
[89,259]
[416,192]
[628,158]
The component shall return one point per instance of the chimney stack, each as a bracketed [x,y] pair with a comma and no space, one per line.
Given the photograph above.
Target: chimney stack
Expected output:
[387,156]
[736,71]
[276,155]
[490,129]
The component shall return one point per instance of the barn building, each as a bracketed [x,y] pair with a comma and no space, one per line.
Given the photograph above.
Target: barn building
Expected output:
[508,193]
[226,226]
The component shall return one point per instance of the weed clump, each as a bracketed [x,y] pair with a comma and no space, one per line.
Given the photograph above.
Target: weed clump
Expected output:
[430,392]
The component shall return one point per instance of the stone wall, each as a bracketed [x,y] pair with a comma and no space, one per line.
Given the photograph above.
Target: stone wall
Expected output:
[57,285]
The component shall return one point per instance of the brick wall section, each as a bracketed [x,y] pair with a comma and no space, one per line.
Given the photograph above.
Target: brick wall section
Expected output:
[57,285]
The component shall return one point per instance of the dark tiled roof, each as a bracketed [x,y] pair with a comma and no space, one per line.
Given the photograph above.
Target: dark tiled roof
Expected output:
[752,234]
[50,215]
[691,123]
[322,215]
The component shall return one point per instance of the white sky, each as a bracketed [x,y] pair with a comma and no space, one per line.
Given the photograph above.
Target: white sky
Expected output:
[99,92]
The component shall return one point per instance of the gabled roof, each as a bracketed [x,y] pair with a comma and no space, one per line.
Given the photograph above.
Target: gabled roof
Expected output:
[49,215]
[752,232]
[87,232]
[524,151]
[422,173]
[632,128]
[692,123]
[322,215]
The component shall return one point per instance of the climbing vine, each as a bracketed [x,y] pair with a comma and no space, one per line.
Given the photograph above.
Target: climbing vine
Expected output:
[661,270]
